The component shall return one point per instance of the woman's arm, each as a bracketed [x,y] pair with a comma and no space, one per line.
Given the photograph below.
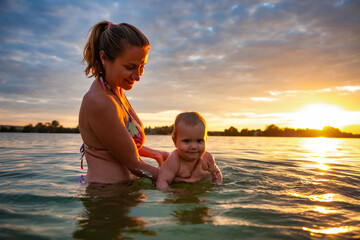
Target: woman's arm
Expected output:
[105,118]
[159,156]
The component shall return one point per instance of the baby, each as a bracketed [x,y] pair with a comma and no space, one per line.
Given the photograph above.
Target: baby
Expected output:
[189,137]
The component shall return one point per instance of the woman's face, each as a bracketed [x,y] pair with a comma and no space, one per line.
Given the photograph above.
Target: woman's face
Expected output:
[126,68]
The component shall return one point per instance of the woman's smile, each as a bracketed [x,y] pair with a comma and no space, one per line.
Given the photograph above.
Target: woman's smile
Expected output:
[130,81]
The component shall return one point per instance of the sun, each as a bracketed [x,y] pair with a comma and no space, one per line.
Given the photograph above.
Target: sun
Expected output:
[320,115]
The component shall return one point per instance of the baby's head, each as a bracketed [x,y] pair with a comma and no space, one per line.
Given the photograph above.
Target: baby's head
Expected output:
[189,119]
[189,135]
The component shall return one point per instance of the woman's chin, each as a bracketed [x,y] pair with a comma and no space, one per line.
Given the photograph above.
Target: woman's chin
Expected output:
[128,87]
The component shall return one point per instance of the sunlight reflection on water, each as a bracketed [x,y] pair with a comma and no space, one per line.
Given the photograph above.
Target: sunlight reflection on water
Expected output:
[323,153]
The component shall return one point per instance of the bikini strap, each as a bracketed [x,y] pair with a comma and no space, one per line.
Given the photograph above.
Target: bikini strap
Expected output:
[105,83]
[102,82]
[82,151]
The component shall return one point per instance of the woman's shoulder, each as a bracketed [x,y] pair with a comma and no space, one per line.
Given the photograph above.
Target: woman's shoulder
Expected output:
[98,99]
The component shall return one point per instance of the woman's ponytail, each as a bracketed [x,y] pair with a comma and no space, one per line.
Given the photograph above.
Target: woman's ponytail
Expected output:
[91,50]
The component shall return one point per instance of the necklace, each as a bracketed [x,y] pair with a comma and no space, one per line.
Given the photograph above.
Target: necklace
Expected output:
[105,85]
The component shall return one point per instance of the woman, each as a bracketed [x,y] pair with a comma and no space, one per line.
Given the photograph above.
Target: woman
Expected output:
[113,134]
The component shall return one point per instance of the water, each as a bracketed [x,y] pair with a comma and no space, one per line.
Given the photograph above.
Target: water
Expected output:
[275,188]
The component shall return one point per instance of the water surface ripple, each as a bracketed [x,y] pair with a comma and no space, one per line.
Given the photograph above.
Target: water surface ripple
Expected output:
[275,188]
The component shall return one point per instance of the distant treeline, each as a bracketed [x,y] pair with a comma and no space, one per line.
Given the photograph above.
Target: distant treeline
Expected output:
[48,127]
[275,131]
[270,131]
[165,130]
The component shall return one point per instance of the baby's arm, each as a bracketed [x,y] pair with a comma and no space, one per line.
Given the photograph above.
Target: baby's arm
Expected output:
[168,171]
[214,169]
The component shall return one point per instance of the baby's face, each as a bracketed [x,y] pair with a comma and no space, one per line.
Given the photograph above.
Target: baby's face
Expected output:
[190,141]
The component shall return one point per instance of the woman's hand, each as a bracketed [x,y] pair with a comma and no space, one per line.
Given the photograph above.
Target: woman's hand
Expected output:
[200,172]
[159,156]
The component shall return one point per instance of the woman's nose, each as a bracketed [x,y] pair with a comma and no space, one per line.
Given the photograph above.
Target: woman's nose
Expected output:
[136,75]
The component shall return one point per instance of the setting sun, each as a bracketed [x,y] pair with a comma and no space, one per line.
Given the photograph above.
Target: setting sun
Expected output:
[320,115]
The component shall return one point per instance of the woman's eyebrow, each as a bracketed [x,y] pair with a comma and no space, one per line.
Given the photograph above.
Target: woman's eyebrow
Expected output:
[135,64]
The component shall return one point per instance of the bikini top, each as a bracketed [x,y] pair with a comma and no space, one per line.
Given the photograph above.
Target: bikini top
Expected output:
[134,128]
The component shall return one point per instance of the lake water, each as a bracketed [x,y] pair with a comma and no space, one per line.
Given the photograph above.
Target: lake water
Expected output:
[275,188]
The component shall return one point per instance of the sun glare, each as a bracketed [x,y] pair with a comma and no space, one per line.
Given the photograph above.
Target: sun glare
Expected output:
[334,230]
[320,115]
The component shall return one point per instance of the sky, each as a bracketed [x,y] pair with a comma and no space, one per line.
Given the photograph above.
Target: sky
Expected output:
[245,63]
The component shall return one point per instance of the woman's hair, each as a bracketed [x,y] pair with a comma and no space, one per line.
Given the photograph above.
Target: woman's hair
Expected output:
[113,39]
[189,118]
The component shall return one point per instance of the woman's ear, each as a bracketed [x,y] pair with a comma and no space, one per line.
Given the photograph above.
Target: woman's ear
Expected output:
[103,57]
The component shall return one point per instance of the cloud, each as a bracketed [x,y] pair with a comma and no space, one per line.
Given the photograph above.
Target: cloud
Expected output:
[339,89]
[263,99]
[349,88]
[215,57]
